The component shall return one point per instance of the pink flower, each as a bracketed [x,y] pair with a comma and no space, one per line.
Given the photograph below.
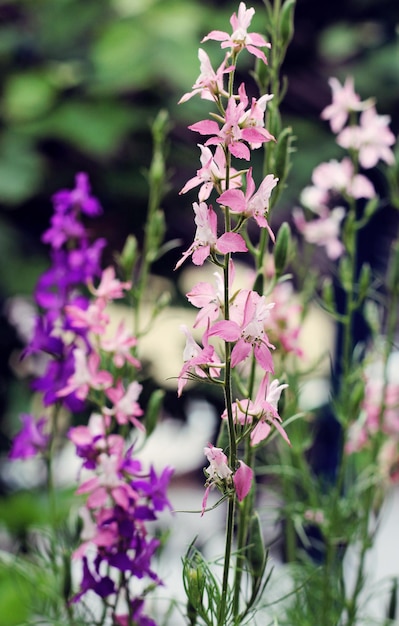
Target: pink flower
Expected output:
[86,376]
[219,475]
[206,239]
[242,480]
[126,408]
[371,139]
[344,101]
[238,125]
[340,176]
[120,345]
[285,319]
[240,37]
[262,411]
[251,204]
[255,117]
[197,360]
[218,471]
[250,334]
[323,231]
[209,83]
[211,174]
[110,288]
[93,318]
[209,298]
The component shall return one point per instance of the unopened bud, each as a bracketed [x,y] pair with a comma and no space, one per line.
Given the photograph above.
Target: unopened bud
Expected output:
[287,22]
[282,248]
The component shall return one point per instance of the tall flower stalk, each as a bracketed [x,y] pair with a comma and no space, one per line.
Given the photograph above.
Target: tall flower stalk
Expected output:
[239,317]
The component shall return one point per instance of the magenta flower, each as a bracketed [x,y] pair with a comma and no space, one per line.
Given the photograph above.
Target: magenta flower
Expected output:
[250,334]
[31,439]
[372,139]
[77,198]
[251,204]
[242,480]
[209,83]
[240,38]
[206,239]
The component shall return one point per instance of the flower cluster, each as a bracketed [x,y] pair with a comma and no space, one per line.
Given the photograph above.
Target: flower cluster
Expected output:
[240,318]
[91,364]
[337,183]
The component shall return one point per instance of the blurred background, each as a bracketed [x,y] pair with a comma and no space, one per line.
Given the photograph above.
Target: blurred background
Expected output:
[81,83]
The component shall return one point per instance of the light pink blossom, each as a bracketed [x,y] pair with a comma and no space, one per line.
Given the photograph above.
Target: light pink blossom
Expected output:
[340,176]
[344,101]
[86,376]
[197,360]
[372,139]
[125,406]
[206,239]
[110,288]
[262,411]
[211,174]
[251,204]
[240,38]
[209,83]
[323,231]
[93,318]
[120,345]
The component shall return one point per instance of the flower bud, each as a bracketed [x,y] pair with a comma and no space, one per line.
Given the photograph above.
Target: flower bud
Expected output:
[256,554]
[128,257]
[153,410]
[287,22]
[282,248]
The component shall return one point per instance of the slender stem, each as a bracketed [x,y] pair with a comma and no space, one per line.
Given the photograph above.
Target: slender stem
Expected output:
[227,557]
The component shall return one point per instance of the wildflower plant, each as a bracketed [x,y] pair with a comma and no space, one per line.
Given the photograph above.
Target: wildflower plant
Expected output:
[242,364]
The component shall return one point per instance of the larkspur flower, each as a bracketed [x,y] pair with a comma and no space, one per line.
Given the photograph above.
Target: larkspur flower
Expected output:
[249,333]
[197,360]
[340,176]
[324,230]
[209,83]
[233,131]
[31,439]
[262,411]
[345,100]
[240,38]
[125,406]
[212,174]
[253,203]
[372,139]
[206,239]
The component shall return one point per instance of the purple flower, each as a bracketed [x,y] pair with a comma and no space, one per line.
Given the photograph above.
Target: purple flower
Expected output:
[31,439]
[77,198]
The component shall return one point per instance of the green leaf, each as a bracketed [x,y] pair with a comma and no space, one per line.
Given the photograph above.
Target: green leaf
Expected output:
[27,96]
